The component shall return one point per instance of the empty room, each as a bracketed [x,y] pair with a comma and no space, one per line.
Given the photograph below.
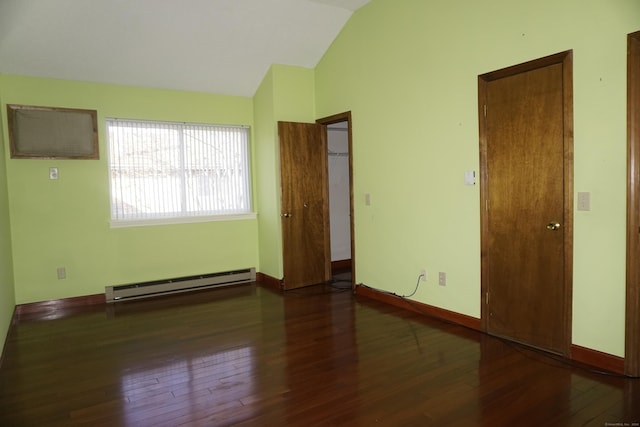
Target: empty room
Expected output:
[319,212]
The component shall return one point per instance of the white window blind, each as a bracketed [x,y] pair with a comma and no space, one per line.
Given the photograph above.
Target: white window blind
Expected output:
[165,170]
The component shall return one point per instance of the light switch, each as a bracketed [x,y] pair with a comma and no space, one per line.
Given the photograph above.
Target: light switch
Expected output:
[470,178]
[584,201]
[367,199]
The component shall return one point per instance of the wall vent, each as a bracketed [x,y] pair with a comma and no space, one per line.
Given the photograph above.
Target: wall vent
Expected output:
[180,284]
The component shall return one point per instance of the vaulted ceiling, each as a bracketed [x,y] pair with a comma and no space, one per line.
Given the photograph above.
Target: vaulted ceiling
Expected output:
[215,46]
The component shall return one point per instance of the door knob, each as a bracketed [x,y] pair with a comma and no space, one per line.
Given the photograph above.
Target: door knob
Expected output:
[286,215]
[553,226]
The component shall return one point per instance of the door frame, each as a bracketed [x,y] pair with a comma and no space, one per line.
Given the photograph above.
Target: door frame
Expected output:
[566,59]
[632,321]
[337,118]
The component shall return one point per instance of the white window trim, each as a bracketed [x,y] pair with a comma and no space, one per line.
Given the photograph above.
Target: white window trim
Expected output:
[182,220]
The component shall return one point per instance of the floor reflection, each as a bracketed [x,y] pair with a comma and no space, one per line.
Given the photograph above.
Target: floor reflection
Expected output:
[319,356]
[210,383]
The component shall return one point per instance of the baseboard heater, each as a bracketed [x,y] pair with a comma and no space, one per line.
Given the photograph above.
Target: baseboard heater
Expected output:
[180,284]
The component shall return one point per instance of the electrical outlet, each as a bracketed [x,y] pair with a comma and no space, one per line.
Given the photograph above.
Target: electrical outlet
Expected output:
[53,173]
[442,278]
[62,273]
[423,275]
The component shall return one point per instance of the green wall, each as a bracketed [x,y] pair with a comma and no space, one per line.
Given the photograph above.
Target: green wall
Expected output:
[407,69]
[7,294]
[285,94]
[267,189]
[65,223]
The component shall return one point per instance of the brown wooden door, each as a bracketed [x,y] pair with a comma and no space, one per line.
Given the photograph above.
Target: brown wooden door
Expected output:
[632,329]
[526,225]
[305,204]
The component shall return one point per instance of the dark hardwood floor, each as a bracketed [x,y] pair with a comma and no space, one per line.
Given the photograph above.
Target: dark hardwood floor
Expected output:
[251,356]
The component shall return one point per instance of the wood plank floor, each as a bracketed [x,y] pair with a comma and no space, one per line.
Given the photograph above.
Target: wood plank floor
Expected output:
[251,356]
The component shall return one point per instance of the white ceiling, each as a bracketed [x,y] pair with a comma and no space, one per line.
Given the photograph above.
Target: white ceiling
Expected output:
[215,46]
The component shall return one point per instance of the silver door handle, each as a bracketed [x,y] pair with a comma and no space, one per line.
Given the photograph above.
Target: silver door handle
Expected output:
[553,226]
[286,215]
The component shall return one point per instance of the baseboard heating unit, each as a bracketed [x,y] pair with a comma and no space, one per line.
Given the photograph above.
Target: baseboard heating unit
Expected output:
[180,284]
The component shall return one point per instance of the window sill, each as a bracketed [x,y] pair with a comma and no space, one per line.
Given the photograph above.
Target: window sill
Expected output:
[181,220]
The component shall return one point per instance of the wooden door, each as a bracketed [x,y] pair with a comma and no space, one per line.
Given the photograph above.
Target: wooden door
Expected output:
[305,204]
[632,329]
[526,193]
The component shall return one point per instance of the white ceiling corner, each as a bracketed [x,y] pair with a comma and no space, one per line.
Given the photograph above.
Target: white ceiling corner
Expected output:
[213,46]
[352,5]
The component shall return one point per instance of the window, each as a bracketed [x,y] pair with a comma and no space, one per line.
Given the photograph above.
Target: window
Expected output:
[177,172]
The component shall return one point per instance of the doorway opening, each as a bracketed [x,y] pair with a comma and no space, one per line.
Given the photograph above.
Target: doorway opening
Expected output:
[340,177]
